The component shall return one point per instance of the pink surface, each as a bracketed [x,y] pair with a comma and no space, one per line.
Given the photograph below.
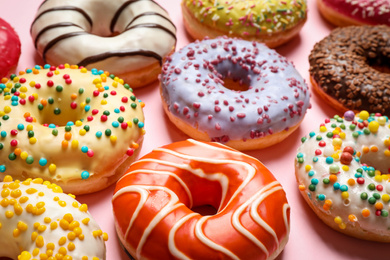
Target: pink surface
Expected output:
[309,237]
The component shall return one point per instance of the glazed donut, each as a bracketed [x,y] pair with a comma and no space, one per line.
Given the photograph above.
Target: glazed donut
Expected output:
[153,205]
[272,22]
[10,48]
[357,12]
[349,68]
[77,128]
[129,38]
[37,220]
[343,173]
[200,97]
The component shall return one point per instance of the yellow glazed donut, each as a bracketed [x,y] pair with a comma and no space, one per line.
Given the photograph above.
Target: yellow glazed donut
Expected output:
[77,128]
[38,221]
[343,173]
[130,38]
[272,22]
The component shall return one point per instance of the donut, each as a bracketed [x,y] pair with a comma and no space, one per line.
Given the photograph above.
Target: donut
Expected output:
[77,128]
[129,38]
[349,69]
[357,12]
[153,204]
[342,169]
[233,91]
[37,220]
[10,48]
[272,22]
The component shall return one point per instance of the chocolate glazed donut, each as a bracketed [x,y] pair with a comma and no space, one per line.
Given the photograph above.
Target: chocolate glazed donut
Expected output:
[350,68]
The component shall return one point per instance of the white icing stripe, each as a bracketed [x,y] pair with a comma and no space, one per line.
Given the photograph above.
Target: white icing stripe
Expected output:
[205,240]
[183,184]
[285,217]
[144,194]
[217,176]
[171,243]
[264,192]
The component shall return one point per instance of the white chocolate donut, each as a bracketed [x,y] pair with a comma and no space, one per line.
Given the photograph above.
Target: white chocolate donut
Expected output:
[129,38]
[38,221]
[343,173]
[77,128]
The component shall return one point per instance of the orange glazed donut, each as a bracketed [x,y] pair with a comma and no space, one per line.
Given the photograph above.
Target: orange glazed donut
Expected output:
[38,221]
[77,128]
[153,205]
[130,38]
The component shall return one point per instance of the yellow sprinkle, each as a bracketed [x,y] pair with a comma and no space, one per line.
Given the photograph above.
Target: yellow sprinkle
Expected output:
[57,189]
[113,138]
[345,168]
[373,126]
[25,256]
[5,193]
[35,252]
[52,168]
[85,221]
[387,153]
[62,241]
[322,128]
[385,197]
[7,178]
[83,208]
[338,220]
[38,180]
[41,193]
[9,214]
[103,102]
[74,224]
[31,191]
[78,123]
[23,199]
[71,235]
[16,232]
[105,236]
[83,70]
[53,225]
[75,143]
[364,115]
[75,204]
[47,220]
[18,209]
[62,251]
[64,224]
[62,203]
[308,167]
[97,233]
[82,131]
[39,242]
[345,195]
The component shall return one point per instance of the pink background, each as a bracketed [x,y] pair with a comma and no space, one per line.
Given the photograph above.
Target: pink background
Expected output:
[309,237]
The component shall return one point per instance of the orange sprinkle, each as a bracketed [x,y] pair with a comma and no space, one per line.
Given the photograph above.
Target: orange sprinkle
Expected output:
[351,182]
[101,89]
[65,144]
[379,206]
[17,151]
[4,80]
[333,178]
[73,96]
[352,218]
[365,213]
[301,187]
[22,72]
[27,114]
[374,149]
[43,101]
[366,149]
[68,136]
[358,154]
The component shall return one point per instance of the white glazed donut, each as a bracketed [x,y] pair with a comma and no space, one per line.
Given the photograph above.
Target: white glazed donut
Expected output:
[343,173]
[38,221]
[128,38]
[266,105]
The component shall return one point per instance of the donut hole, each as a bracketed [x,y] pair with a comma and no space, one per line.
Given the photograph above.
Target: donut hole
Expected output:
[376,160]
[234,76]
[235,84]
[58,117]
[379,63]
[204,210]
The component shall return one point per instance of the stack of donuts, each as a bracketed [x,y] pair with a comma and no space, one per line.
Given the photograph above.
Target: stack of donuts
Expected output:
[161,121]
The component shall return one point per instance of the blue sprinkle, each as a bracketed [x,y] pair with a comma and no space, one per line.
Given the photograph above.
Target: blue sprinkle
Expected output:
[312,134]
[85,175]
[3,133]
[52,126]
[343,187]
[87,108]
[20,126]
[14,103]
[115,124]
[2,86]
[14,98]
[99,134]
[70,123]
[28,70]
[329,160]
[321,196]
[106,87]
[84,149]
[94,71]
[116,110]
[311,173]
[314,181]
[46,66]
[101,72]
[37,67]
[2,168]
[299,155]
[140,124]
[42,162]
[315,159]
[336,186]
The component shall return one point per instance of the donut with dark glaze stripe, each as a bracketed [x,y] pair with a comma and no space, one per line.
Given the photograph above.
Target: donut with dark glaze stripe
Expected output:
[153,205]
[128,38]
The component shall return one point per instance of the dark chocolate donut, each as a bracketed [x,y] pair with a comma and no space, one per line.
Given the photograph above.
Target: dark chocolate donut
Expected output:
[351,68]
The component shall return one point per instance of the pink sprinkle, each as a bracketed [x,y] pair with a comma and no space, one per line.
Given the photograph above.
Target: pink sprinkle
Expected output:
[122,108]
[95,111]
[68,81]
[14,142]
[89,118]
[31,98]
[217,126]
[22,80]
[130,152]
[22,101]
[125,99]
[50,83]
[37,86]
[124,125]
[113,93]
[95,93]
[241,115]
[14,132]
[103,118]
[73,105]
[49,74]
[90,153]
[29,119]
[66,76]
